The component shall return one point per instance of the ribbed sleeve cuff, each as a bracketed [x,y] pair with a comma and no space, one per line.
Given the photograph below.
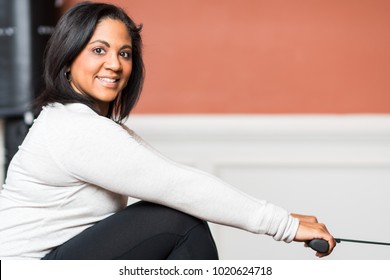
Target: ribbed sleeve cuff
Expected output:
[282,226]
[287,229]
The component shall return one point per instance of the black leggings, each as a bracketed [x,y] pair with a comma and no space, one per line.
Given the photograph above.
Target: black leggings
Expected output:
[142,231]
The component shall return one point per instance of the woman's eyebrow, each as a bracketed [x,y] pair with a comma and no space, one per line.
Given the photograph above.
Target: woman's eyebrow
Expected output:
[126,47]
[108,45]
[101,41]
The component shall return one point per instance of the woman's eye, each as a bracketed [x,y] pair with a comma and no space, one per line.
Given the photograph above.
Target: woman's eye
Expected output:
[126,55]
[98,50]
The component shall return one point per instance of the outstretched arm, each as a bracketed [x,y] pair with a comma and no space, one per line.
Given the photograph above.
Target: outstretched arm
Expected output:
[97,151]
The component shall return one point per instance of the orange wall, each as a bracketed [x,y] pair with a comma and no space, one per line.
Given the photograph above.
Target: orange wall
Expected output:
[264,56]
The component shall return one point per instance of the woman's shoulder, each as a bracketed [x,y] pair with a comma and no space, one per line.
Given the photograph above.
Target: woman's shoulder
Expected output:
[72,113]
[71,109]
[74,118]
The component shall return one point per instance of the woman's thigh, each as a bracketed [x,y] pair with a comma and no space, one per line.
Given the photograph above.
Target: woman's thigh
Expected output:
[142,231]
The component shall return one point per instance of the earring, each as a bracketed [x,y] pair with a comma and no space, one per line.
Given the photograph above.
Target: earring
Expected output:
[67,75]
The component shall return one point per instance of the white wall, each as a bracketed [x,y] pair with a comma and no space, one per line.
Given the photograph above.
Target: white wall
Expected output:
[335,167]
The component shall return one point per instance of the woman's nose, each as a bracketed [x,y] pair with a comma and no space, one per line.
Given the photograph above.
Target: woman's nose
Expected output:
[113,63]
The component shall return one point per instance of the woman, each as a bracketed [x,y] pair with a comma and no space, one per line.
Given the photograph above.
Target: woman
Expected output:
[66,191]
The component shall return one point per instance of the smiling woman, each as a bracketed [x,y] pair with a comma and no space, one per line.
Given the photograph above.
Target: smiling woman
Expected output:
[93,41]
[103,67]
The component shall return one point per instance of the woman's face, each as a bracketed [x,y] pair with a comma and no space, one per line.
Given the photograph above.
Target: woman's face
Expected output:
[103,67]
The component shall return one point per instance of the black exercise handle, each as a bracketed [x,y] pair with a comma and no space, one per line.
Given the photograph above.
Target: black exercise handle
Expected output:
[319,245]
[322,246]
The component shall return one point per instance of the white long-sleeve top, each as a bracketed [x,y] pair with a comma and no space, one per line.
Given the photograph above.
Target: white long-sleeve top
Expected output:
[76,168]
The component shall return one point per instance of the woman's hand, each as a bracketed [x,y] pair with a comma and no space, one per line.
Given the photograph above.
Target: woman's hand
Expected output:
[309,229]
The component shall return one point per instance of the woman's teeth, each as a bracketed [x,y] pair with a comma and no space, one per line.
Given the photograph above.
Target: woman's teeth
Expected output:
[107,80]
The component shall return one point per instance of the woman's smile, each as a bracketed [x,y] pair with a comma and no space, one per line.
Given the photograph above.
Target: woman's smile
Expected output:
[108,82]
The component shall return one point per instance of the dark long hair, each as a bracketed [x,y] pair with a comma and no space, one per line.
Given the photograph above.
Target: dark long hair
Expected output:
[71,35]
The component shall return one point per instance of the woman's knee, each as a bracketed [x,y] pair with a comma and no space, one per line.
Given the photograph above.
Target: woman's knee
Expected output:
[195,240]
[196,244]
[165,217]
